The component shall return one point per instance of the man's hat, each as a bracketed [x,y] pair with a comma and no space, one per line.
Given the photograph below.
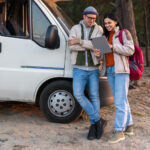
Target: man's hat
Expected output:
[90,10]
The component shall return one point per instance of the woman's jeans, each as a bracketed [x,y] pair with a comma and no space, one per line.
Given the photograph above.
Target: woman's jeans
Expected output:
[119,84]
[81,78]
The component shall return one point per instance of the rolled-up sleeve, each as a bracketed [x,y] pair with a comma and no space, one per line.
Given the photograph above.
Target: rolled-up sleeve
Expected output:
[73,33]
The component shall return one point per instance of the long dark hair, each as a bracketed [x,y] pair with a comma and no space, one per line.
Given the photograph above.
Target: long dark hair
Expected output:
[113,17]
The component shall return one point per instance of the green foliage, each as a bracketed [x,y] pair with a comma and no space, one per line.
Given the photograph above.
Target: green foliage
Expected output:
[140,6]
[75,8]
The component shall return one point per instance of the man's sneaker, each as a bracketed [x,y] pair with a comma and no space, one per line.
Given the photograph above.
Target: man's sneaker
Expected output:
[129,130]
[92,132]
[100,125]
[118,136]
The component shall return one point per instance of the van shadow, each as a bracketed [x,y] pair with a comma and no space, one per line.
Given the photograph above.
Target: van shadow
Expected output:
[20,110]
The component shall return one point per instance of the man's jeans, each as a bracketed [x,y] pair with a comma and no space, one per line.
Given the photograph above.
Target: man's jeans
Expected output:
[81,78]
[119,84]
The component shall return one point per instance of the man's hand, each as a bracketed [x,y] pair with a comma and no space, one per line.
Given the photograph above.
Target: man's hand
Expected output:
[73,41]
[97,52]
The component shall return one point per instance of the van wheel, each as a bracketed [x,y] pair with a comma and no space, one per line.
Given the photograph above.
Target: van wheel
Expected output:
[58,104]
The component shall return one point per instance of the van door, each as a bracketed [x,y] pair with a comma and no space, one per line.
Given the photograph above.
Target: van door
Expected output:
[25,62]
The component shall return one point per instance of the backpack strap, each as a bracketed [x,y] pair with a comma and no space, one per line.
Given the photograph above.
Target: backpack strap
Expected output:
[120,36]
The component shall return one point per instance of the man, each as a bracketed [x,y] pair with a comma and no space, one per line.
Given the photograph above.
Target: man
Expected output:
[85,60]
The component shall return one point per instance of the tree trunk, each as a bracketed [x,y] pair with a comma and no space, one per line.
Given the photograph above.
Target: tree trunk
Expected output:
[125,14]
[146,33]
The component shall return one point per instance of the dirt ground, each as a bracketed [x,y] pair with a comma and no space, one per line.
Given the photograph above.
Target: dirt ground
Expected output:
[23,126]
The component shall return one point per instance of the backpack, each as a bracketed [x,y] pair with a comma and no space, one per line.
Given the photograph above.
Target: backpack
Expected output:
[135,61]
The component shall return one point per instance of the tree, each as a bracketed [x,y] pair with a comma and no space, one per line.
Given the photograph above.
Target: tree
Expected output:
[125,13]
[75,8]
[145,2]
[126,16]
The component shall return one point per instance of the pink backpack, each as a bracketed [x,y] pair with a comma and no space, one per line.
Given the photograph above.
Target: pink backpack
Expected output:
[135,61]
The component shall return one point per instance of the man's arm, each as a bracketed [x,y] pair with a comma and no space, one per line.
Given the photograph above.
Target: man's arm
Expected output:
[74,42]
[87,44]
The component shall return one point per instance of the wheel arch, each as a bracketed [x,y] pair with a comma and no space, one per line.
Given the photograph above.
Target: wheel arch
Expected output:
[43,85]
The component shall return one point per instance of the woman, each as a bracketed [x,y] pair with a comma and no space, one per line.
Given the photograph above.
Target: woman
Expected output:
[117,69]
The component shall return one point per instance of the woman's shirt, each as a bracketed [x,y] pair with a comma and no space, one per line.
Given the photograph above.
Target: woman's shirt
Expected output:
[110,56]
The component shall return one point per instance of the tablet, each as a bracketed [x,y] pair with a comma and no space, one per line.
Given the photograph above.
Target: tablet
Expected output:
[102,44]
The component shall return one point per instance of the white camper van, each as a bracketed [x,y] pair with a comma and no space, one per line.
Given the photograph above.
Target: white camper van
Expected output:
[34,58]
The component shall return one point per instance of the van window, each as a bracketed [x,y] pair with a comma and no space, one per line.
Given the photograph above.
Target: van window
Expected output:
[40,25]
[14,18]
[58,12]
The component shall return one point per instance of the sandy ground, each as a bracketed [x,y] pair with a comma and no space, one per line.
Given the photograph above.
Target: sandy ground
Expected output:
[23,126]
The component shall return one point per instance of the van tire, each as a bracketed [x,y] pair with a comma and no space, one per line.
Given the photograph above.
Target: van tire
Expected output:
[58,104]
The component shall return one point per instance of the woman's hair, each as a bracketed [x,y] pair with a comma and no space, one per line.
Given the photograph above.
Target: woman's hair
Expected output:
[111,16]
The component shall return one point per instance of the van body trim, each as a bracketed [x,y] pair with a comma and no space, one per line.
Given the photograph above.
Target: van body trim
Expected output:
[39,67]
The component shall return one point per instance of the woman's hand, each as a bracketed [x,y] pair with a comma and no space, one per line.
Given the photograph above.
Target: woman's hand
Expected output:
[73,41]
[97,52]
[110,46]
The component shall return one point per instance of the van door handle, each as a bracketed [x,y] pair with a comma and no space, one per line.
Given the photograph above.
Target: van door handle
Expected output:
[0,47]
